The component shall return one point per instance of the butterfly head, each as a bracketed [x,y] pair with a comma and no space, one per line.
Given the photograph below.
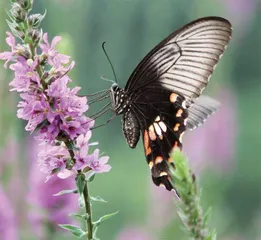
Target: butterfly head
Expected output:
[119,99]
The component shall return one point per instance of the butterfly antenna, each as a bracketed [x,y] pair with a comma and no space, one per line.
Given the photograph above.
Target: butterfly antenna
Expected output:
[103,48]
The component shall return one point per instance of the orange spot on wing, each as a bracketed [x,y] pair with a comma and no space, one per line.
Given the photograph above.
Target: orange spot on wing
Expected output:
[158,160]
[147,151]
[146,139]
[179,113]
[146,143]
[173,97]
[176,128]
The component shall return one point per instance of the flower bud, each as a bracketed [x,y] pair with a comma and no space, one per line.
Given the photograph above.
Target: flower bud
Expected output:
[25,4]
[43,59]
[18,13]
[35,20]
[23,51]
[35,35]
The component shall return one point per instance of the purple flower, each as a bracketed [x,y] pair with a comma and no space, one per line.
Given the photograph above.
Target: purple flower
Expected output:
[34,108]
[58,88]
[7,219]
[8,56]
[98,164]
[53,158]
[25,75]
[54,58]
[212,145]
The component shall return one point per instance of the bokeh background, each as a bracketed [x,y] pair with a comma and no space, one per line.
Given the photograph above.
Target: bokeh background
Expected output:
[225,153]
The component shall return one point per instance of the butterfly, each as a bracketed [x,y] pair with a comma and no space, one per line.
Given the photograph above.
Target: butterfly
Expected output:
[162,98]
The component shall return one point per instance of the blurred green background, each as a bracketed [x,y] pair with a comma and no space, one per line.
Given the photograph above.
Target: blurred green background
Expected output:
[225,153]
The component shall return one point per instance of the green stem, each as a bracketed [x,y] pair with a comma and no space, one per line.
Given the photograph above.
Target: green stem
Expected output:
[87,201]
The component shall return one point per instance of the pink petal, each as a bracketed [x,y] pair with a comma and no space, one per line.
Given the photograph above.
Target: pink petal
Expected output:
[6,55]
[75,90]
[55,41]
[45,38]
[64,58]
[10,40]
[105,168]
[66,173]
[104,160]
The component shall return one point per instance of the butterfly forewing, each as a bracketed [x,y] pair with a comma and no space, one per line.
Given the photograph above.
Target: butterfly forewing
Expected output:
[184,61]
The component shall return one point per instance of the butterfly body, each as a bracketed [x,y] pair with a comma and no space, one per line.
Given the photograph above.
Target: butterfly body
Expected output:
[162,98]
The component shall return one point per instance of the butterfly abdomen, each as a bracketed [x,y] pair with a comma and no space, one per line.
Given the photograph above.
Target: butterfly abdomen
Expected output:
[131,128]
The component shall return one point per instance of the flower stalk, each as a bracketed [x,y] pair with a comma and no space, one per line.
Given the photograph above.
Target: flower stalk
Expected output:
[88,210]
[188,200]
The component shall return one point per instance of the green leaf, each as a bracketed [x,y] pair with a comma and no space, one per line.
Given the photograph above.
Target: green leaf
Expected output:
[95,230]
[66,192]
[80,216]
[12,27]
[80,183]
[98,199]
[91,175]
[9,15]
[76,231]
[105,217]
[206,216]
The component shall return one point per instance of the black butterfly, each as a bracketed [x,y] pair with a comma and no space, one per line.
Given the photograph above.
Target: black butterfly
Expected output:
[160,100]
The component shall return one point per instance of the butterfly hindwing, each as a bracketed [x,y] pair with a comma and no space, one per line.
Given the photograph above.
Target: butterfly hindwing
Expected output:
[162,125]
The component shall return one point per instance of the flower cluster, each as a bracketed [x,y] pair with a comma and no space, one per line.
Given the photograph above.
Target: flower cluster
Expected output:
[49,106]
